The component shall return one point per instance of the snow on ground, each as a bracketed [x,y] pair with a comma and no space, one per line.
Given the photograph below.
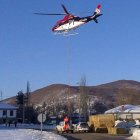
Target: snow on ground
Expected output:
[136,135]
[20,133]
[137,122]
[127,125]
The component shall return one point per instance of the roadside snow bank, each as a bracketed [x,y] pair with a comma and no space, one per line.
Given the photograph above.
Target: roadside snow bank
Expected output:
[136,135]
[137,122]
[28,134]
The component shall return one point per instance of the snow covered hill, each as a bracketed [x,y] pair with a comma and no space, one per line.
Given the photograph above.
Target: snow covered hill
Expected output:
[57,94]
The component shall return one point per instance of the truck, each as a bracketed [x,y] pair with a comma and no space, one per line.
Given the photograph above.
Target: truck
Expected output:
[60,128]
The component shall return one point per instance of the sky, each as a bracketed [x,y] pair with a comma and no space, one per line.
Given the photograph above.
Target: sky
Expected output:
[103,52]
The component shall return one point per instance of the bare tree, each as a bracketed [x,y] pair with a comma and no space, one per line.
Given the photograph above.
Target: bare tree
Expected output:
[99,107]
[83,96]
[28,94]
[127,96]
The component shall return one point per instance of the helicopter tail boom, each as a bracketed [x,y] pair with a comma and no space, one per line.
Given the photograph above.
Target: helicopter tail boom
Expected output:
[96,14]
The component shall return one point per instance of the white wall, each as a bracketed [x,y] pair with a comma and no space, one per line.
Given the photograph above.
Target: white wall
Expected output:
[124,116]
[15,112]
[136,116]
[8,114]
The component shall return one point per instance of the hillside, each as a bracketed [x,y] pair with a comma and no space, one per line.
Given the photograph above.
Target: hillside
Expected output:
[122,83]
[59,92]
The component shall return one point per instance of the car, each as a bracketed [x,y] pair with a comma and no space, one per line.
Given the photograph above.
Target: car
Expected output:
[81,126]
[133,128]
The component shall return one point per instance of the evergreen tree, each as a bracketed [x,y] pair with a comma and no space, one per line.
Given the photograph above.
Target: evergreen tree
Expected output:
[21,98]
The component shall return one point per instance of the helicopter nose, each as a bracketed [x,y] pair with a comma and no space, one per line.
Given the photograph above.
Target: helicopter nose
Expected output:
[53,28]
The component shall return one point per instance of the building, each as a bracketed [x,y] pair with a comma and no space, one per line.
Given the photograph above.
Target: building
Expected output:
[7,113]
[125,112]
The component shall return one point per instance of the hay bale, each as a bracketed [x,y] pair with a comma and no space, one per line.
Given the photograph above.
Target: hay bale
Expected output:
[110,130]
[91,126]
[90,123]
[121,130]
[101,130]
[103,120]
[116,130]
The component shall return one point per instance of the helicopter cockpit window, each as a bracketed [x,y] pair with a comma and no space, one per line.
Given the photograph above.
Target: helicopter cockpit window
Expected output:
[56,25]
[61,23]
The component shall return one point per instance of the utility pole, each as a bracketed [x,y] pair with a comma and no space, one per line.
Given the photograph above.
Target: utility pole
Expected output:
[88,107]
[79,107]
[44,105]
[23,108]
[79,102]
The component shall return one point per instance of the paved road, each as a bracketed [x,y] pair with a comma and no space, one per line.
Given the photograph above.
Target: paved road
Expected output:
[93,136]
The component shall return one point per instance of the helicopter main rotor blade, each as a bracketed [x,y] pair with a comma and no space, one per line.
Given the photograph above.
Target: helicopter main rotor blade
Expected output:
[65,10]
[48,14]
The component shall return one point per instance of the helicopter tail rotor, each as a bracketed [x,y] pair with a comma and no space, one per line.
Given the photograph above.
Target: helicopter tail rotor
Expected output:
[96,14]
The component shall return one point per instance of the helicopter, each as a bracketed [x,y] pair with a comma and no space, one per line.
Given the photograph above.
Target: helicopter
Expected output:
[71,22]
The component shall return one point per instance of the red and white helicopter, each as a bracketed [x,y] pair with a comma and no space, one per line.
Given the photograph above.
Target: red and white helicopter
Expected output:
[71,22]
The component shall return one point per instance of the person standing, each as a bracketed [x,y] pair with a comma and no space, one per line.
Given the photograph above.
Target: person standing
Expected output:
[66,120]
[15,124]
[9,123]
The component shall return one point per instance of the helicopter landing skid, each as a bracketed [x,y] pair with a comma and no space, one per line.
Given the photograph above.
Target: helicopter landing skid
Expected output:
[57,33]
[65,33]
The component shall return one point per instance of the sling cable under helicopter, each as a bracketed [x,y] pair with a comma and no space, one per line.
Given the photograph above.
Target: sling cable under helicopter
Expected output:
[71,22]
